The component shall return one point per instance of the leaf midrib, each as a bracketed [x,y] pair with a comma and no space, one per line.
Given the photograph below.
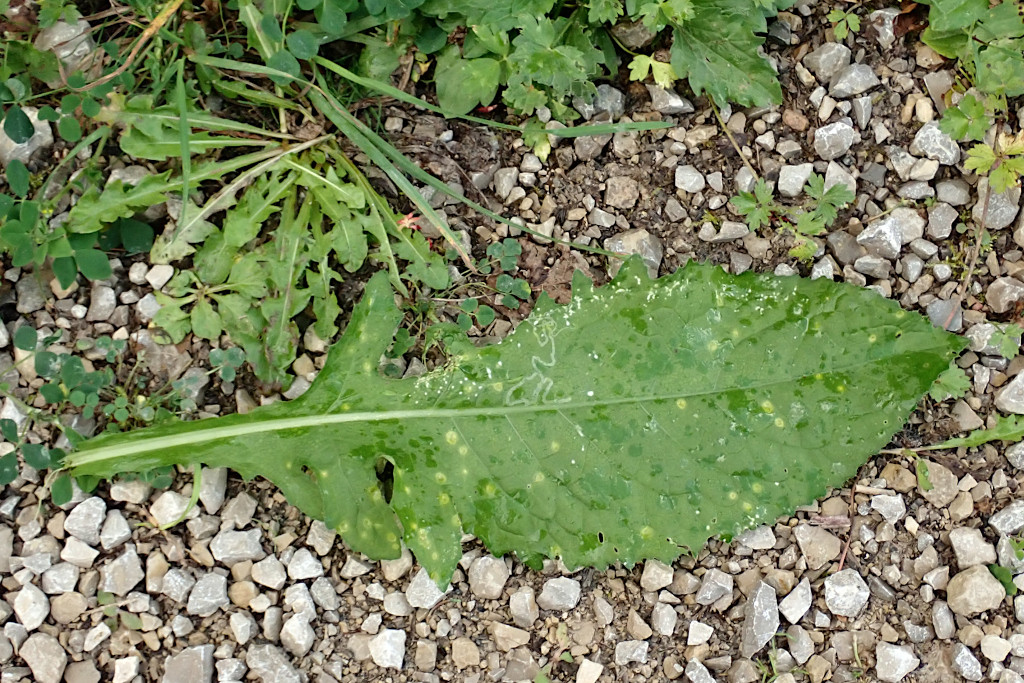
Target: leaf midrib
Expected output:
[85,458]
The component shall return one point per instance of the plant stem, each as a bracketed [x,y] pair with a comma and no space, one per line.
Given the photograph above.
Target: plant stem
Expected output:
[975,252]
[728,134]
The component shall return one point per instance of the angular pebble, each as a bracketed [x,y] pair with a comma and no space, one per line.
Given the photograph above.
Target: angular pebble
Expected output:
[846,594]
[559,595]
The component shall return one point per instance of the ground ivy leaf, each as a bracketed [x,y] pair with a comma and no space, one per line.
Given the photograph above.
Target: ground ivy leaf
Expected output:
[634,422]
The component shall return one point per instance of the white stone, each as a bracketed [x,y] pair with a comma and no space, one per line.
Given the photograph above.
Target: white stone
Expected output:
[388,648]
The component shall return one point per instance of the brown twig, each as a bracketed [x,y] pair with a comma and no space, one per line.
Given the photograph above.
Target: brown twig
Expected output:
[735,145]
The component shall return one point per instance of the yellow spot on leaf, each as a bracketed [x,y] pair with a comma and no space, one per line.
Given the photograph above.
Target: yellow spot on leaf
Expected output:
[555,446]
[451,437]
[733,495]
[440,478]
[767,407]
[463,450]
[443,498]
[538,478]
[681,403]
[712,346]
[780,423]
[756,487]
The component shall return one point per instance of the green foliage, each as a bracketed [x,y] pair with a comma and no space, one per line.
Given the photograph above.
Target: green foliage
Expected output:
[760,209]
[578,435]
[1007,428]
[843,23]
[1006,339]
[1005,577]
[923,479]
[968,120]
[1004,163]
[952,383]
[988,41]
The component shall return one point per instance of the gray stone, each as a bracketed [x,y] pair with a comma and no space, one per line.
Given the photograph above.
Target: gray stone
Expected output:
[31,607]
[164,360]
[213,488]
[758,538]
[304,565]
[664,619]
[944,483]
[621,192]
[854,79]
[793,178]
[522,605]
[422,592]
[230,669]
[271,665]
[943,620]
[326,596]
[883,238]
[834,140]
[487,577]
[102,303]
[355,566]
[862,112]
[668,102]
[971,548]
[846,593]
[1010,398]
[60,578]
[84,521]
[931,142]
[873,266]
[559,595]
[123,574]
[169,507]
[689,179]
[71,43]
[270,572]
[760,620]
[955,192]
[193,664]
[835,174]
[714,586]
[388,648]
[230,547]
[588,147]
[698,673]
[828,60]
[297,636]
[1015,455]
[974,591]
[917,189]
[902,161]
[115,530]
[504,180]
[941,217]
[818,546]
[892,508]
[208,595]
[45,657]
[177,584]
[609,100]
[799,643]
[298,599]
[629,651]
[845,247]
[795,605]
[1002,206]
[656,575]
[1009,520]
[41,139]
[639,242]
[945,314]
[731,230]
[894,662]
[965,663]
[29,294]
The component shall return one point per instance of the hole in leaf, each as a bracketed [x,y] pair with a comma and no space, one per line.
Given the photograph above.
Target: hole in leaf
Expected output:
[385,478]
[600,537]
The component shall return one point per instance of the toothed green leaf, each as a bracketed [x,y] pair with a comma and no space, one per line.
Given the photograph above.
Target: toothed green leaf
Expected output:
[634,422]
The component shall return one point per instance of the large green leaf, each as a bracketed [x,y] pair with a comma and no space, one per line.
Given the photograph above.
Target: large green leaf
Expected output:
[634,422]
[717,50]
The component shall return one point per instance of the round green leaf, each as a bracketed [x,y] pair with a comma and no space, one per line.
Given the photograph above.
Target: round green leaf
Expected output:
[284,61]
[332,16]
[136,236]
[36,456]
[464,83]
[93,264]
[61,490]
[47,364]
[90,107]
[18,177]
[25,338]
[271,28]
[17,125]
[469,305]
[48,113]
[69,129]
[70,102]
[65,270]
[9,430]
[72,372]
[52,393]
[485,316]
[303,44]
[8,468]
